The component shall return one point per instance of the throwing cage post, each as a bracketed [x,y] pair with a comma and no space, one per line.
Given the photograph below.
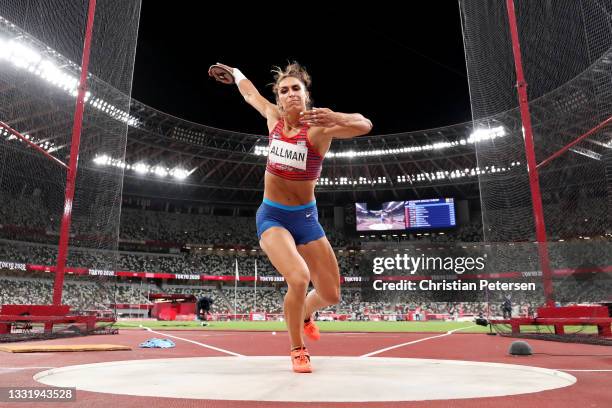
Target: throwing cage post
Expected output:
[542,151]
[63,136]
[534,180]
[74,159]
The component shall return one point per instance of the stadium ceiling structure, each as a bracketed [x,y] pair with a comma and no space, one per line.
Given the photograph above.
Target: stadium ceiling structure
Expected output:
[227,166]
[172,158]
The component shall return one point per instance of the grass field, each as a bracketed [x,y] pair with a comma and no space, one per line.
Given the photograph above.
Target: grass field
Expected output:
[436,327]
[426,327]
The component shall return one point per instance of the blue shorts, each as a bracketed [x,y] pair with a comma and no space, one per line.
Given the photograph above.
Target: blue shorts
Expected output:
[302,221]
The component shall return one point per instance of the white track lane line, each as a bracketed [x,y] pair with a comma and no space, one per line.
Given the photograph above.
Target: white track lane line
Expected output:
[583,371]
[23,368]
[448,333]
[195,342]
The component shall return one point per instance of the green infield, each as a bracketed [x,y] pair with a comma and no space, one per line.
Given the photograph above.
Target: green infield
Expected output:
[346,326]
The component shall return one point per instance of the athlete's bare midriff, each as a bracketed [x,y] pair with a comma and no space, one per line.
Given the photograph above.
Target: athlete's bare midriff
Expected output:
[288,192]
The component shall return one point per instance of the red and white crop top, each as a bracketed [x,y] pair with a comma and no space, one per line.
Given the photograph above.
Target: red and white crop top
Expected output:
[292,158]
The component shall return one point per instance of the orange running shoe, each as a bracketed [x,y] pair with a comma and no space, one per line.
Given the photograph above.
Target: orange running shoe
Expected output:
[301,360]
[311,330]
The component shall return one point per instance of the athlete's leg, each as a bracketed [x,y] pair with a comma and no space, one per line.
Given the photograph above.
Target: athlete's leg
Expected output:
[279,245]
[324,274]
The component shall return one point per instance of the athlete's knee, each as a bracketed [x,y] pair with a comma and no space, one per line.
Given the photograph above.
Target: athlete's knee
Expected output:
[336,298]
[298,279]
[331,296]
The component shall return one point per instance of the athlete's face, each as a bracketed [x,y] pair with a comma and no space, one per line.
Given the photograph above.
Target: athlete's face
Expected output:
[292,95]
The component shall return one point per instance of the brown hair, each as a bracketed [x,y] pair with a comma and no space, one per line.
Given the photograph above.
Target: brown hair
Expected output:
[295,70]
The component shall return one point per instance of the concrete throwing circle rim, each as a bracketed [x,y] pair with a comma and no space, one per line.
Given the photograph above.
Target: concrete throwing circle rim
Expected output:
[337,379]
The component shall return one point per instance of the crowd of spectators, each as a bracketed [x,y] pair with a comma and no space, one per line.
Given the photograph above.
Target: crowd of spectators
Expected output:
[206,244]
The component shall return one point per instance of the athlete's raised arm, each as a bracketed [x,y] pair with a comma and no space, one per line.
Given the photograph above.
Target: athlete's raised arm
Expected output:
[250,94]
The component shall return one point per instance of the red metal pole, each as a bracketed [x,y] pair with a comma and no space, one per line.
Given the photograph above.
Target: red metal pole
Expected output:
[574,142]
[33,145]
[534,183]
[74,158]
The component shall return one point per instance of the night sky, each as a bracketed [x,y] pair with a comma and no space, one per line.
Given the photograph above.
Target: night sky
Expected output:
[405,70]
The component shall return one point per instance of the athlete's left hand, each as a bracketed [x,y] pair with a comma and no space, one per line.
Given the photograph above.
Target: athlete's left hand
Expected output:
[322,117]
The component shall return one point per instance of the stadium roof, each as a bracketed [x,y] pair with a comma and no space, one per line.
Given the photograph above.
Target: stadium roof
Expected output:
[173,158]
[229,167]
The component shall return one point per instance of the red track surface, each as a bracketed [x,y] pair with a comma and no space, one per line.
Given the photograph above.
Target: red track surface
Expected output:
[593,389]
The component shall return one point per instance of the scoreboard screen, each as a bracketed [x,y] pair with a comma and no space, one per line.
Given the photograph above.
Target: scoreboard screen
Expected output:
[435,213]
[406,215]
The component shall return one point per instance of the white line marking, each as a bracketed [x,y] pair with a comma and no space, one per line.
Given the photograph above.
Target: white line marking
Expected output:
[195,342]
[23,368]
[448,333]
[586,371]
